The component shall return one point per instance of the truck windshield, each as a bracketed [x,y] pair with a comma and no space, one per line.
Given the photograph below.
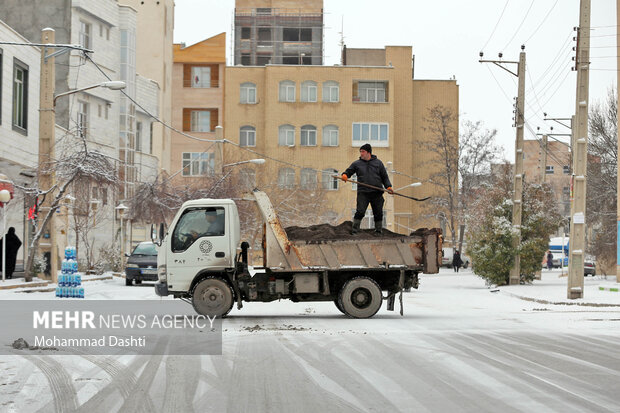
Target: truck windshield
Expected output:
[196,223]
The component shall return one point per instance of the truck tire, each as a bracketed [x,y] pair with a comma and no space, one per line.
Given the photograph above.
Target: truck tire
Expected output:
[212,297]
[127,281]
[360,297]
[337,302]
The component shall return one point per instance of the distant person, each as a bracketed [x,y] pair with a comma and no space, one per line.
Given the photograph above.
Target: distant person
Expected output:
[369,170]
[456,260]
[549,260]
[13,244]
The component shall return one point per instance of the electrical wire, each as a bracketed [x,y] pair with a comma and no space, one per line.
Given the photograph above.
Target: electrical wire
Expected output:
[521,24]
[496,24]
[542,22]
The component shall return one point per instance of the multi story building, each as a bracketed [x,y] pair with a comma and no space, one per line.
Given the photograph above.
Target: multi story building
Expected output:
[557,171]
[311,120]
[19,123]
[286,32]
[198,101]
[115,124]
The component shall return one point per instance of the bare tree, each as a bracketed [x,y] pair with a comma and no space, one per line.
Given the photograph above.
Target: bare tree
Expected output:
[76,162]
[602,183]
[441,124]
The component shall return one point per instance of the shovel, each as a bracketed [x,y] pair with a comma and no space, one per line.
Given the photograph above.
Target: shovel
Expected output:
[382,189]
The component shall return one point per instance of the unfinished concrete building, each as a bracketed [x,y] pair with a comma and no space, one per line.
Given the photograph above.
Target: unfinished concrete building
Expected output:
[286,32]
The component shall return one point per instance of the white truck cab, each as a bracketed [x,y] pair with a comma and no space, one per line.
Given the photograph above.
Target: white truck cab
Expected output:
[203,236]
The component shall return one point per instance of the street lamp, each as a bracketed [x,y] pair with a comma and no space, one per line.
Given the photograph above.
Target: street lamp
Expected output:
[410,185]
[5,197]
[112,85]
[254,161]
[121,208]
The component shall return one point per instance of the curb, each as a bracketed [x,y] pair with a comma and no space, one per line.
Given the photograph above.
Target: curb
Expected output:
[613,289]
[542,301]
[25,284]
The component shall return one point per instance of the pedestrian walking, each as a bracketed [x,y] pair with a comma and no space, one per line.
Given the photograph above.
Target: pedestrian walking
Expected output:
[456,261]
[13,244]
[369,170]
[549,260]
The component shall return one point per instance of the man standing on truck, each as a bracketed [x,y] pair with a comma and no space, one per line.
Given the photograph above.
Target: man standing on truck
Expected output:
[369,170]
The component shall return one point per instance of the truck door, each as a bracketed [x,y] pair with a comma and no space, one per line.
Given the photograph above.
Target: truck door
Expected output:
[200,240]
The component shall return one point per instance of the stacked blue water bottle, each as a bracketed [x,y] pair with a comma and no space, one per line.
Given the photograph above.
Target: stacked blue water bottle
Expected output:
[69,281]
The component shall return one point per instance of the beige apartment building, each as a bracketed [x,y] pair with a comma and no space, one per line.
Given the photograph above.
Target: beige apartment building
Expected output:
[309,122]
[557,171]
[198,102]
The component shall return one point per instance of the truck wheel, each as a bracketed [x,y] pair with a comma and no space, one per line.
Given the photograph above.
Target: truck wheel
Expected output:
[337,302]
[360,297]
[127,281]
[212,297]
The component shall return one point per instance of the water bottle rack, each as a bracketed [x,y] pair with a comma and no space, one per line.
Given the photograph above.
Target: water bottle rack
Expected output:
[69,281]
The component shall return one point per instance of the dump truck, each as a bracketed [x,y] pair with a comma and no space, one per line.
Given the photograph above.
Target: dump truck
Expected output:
[210,269]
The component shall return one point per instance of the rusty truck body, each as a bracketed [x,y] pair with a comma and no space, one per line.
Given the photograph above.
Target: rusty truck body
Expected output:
[207,271]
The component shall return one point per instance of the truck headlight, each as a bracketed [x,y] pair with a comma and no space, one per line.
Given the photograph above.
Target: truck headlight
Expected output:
[162,274]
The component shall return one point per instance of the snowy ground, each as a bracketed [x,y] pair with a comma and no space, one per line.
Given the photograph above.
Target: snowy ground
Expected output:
[459,347]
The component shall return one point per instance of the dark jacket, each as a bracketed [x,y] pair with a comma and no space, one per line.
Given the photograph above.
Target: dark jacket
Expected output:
[456,259]
[370,172]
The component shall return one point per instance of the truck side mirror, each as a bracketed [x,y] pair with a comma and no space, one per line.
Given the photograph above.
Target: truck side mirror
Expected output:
[153,234]
[161,232]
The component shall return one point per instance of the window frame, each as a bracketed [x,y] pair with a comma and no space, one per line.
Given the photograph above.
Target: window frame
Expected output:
[199,163]
[83,109]
[566,169]
[85,34]
[248,131]
[289,131]
[21,124]
[366,135]
[332,128]
[246,88]
[194,123]
[549,170]
[202,84]
[287,86]
[329,86]
[370,93]
[284,174]
[307,87]
[307,130]
[304,182]
[328,181]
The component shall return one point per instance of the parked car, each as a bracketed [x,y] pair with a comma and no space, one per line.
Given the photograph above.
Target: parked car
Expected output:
[446,258]
[142,264]
[589,266]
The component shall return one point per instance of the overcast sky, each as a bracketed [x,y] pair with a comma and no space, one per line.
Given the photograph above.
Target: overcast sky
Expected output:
[447,36]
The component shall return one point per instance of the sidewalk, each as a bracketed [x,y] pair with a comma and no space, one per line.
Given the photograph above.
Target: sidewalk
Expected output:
[37,282]
[552,289]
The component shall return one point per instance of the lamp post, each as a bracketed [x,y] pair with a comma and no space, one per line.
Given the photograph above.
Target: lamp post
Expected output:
[5,197]
[121,208]
[414,184]
[47,139]
[254,161]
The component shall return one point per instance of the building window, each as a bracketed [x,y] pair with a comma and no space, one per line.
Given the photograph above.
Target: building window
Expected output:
[353,184]
[139,136]
[286,135]
[1,77]
[308,178]
[247,136]
[264,36]
[286,178]
[201,76]
[375,133]
[566,169]
[82,119]
[331,92]
[198,163]
[151,138]
[264,11]
[245,33]
[308,135]
[329,181]
[296,34]
[201,121]
[248,93]
[20,96]
[370,91]
[330,135]
[263,59]
[549,169]
[85,31]
[247,178]
[245,59]
[308,91]
[287,91]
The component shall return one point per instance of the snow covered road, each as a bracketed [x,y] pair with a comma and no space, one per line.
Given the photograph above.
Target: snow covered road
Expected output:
[459,347]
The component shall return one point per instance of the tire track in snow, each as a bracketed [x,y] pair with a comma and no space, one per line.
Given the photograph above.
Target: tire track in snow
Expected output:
[61,385]
[182,375]
[123,379]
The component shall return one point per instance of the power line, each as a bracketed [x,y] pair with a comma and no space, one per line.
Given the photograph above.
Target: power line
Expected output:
[496,24]
[521,24]
[543,20]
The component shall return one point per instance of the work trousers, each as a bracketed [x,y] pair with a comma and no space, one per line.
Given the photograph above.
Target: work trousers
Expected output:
[375,199]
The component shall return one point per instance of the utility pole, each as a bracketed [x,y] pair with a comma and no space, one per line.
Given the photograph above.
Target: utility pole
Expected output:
[47,124]
[618,169]
[517,207]
[543,159]
[580,156]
